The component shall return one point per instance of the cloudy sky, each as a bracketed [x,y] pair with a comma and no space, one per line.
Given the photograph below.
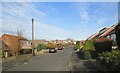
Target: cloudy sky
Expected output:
[57,20]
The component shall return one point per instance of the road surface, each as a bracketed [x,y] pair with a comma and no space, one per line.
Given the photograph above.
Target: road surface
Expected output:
[47,62]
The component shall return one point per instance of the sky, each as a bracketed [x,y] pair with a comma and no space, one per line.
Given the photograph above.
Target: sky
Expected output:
[57,20]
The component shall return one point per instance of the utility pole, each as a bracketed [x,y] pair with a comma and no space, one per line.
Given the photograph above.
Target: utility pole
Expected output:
[33,52]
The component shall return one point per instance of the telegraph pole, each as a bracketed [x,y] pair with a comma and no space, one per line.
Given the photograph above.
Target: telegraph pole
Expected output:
[33,52]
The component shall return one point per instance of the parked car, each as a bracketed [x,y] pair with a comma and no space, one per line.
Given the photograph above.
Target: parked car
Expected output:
[52,50]
[60,47]
[75,48]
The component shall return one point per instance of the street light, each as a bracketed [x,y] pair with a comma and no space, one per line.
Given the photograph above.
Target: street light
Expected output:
[33,52]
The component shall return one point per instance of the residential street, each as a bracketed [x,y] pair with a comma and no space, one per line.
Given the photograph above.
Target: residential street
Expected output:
[60,36]
[47,62]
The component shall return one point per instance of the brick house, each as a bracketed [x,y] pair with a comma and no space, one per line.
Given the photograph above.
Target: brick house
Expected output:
[93,36]
[25,44]
[97,34]
[37,42]
[110,33]
[106,33]
[5,49]
[12,43]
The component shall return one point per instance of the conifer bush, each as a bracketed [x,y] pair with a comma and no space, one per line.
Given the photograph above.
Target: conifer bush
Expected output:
[88,47]
[111,60]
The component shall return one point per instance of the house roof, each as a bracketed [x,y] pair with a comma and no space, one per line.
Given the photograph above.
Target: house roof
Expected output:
[108,31]
[36,42]
[3,46]
[39,41]
[93,36]
[105,28]
[7,41]
[13,36]
[98,33]
[26,45]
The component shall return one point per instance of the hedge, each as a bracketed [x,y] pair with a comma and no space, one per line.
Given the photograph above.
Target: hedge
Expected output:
[88,47]
[25,51]
[40,47]
[102,45]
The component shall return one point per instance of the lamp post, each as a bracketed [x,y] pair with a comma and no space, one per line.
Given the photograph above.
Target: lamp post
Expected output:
[33,52]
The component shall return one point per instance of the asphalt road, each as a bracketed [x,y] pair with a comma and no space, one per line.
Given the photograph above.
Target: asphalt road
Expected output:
[47,62]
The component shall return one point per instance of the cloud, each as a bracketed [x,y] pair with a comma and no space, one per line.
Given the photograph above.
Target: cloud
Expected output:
[46,30]
[82,29]
[19,15]
[83,12]
[60,0]
[102,21]
[93,18]
[17,10]
[15,14]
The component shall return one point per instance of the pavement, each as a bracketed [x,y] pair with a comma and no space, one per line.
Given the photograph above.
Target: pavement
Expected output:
[78,65]
[47,62]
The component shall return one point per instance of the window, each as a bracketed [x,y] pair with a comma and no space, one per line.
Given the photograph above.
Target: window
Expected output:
[113,37]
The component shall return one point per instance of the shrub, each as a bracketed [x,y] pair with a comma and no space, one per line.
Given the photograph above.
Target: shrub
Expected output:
[101,40]
[94,54]
[25,51]
[40,47]
[28,51]
[111,60]
[78,45]
[87,55]
[88,47]
[102,45]
[50,45]
[1,54]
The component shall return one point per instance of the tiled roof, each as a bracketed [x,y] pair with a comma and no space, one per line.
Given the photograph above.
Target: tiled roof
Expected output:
[41,41]
[93,36]
[26,45]
[108,31]
[13,36]
[9,41]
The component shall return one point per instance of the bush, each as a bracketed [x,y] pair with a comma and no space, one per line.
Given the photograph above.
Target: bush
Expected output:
[78,45]
[40,47]
[28,51]
[88,47]
[111,60]
[87,55]
[25,51]
[50,45]
[102,45]
[1,54]
[94,54]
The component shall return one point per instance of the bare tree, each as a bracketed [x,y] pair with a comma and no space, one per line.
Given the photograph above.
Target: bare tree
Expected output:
[20,32]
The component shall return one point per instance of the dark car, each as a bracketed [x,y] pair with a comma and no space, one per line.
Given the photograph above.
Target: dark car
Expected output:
[75,48]
[52,50]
